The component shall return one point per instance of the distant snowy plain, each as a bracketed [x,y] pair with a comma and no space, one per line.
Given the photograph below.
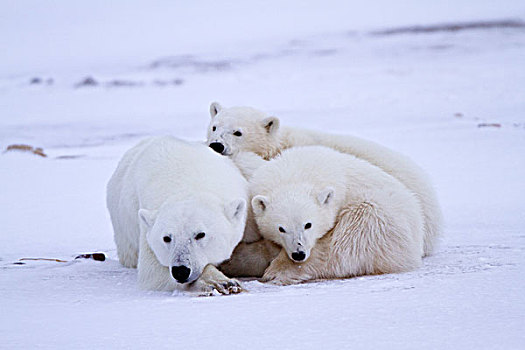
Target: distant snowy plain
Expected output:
[452,98]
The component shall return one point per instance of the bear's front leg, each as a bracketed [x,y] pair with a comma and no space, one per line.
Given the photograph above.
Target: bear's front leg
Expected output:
[283,271]
[212,279]
[250,259]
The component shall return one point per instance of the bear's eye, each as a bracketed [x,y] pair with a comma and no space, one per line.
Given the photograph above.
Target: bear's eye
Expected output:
[200,235]
[214,128]
[166,239]
[237,133]
[307,226]
[281,229]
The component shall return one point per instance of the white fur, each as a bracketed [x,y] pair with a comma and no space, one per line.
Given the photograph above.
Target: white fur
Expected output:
[254,254]
[168,187]
[262,135]
[349,217]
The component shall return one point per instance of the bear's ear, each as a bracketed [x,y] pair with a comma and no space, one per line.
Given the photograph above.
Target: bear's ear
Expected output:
[236,210]
[147,217]
[215,108]
[325,196]
[259,204]
[270,124]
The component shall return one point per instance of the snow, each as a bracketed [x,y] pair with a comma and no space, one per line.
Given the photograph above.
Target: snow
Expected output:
[314,64]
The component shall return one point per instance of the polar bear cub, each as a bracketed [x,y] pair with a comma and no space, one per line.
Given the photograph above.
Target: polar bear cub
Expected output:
[245,129]
[335,216]
[177,210]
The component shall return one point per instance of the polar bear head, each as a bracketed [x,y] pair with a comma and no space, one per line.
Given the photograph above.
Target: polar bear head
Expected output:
[295,217]
[186,236]
[236,129]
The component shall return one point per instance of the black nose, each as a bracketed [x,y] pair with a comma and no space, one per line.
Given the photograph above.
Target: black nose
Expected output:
[217,147]
[298,256]
[180,273]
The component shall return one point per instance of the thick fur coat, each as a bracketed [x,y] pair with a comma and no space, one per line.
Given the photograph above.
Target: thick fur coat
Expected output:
[178,209]
[245,129]
[335,216]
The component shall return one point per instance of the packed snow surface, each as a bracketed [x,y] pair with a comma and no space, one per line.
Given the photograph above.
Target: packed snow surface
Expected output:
[443,82]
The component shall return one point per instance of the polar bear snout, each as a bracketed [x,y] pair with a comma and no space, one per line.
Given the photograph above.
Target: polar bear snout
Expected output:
[296,246]
[217,147]
[180,273]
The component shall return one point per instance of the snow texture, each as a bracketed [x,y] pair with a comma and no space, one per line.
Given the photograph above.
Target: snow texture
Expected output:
[440,81]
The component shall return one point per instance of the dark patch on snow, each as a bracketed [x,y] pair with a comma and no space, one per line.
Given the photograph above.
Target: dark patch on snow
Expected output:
[124,83]
[39,81]
[192,62]
[75,156]
[440,47]
[453,27]
[86,82]
[26,148]
[174,82]
[489,125]
[94,256]
[287,52]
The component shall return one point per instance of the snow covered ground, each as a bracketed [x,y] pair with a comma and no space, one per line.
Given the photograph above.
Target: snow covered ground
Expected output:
[451,97]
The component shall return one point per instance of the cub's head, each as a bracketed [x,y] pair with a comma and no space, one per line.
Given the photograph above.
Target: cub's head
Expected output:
[295,219]
[242,129]
[187,236]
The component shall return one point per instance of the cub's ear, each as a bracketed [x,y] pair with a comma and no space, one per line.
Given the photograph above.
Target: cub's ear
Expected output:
[147,217]
[215,108]
[271,124]
[259,204]
[325,196]
[236,210]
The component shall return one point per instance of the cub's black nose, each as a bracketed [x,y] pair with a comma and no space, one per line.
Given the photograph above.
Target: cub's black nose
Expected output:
[217,147]
[298,256]
[180,273]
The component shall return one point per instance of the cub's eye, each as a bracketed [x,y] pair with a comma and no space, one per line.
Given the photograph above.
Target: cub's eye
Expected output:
[166,239]
[282,229]
[214,128]
[307,226]
[200,235]
[237,133]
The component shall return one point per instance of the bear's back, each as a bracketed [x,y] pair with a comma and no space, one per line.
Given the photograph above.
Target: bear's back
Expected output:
[320,167]
[163,167]
[312,164]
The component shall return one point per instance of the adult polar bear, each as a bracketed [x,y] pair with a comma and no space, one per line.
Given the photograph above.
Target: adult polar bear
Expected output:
[177,210]
[236,129]
[336,215]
